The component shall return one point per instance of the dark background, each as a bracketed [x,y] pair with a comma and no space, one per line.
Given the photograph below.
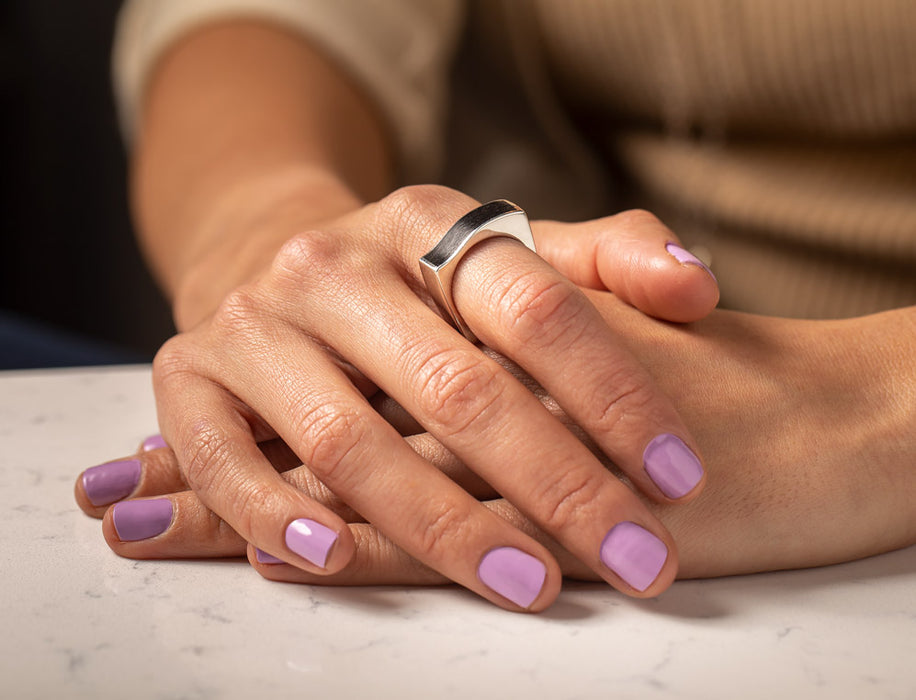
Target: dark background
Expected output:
[69,259]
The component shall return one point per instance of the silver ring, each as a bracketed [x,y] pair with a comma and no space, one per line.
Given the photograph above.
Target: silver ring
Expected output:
[499,218]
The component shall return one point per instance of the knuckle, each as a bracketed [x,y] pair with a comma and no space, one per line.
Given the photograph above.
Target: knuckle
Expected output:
[239,319]
[623,398]
[562,498]
[240,307]
[307,255]
[542,312]
[208,457]
[329,435]
[456,388]
[419,213]
[173,363]
[435,530]
[636,219]
[170,359]
[412,204]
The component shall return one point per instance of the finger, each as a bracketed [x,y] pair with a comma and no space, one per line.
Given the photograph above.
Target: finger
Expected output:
[222,463]
[377,561]
[153,471]
[143,474]
[543,323]
[434,452]
[637,257]
[153,442]
[277,451]
[176,526]
[366,462]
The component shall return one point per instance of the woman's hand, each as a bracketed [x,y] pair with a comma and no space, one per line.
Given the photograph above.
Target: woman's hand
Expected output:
[296,302]
[810,447]
[297,352]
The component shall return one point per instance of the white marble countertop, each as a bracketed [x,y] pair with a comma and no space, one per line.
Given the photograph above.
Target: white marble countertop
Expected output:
[80,622]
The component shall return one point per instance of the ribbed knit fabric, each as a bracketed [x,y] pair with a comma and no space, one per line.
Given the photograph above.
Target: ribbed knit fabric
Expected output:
[777,136]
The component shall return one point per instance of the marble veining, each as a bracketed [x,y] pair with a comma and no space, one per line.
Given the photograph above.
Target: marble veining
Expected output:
[81,622]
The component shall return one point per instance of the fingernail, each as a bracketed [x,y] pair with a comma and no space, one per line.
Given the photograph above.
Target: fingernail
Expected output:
[265,558]
[111,482]
[513,574]
[153,442]
[684,256]
[672,465]
[634,554]
[140,520]
[310,540]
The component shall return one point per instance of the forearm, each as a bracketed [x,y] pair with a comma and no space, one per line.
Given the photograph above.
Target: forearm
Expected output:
[243,120]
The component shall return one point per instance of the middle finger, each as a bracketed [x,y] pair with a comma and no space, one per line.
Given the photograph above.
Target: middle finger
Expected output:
[502,432]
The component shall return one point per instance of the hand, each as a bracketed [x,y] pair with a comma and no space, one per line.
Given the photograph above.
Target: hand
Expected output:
[340,311]
[809,454]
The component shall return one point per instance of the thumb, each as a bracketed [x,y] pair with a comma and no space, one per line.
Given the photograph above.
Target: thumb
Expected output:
[635,256]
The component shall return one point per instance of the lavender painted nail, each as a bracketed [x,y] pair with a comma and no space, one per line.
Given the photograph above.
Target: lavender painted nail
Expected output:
[634,554]
[265,558]
[513,574]
[673,467]
[111,482]
[140,520]
[684,256]
[153,442]
[310,540]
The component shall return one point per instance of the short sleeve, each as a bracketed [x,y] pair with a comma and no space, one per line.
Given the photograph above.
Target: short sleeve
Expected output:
[398,51]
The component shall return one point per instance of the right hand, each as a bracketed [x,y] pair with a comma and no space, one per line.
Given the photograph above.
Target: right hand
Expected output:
[341,312]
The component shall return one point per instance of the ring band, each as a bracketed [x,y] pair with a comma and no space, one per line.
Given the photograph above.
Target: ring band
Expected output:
[499,218]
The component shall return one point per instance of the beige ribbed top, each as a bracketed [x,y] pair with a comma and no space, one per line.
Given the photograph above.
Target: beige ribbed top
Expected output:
[776,137]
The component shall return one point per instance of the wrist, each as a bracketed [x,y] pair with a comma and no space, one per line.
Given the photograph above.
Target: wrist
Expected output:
[884,346]
[861,440]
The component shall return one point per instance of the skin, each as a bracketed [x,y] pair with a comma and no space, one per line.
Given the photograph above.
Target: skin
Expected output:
[297,302]
[258,186]
[810,453]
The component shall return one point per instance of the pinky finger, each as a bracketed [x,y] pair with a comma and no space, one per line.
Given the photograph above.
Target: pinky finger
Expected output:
[377,561]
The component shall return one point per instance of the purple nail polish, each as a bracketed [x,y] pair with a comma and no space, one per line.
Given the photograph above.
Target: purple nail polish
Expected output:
[265,558]
[634,554]
[310,540]
[513,574]
[140,520]
[153,442]
[111,482]
[684,256]
[673,467]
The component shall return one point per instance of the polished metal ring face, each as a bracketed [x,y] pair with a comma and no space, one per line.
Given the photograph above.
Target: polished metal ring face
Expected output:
[498,218]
